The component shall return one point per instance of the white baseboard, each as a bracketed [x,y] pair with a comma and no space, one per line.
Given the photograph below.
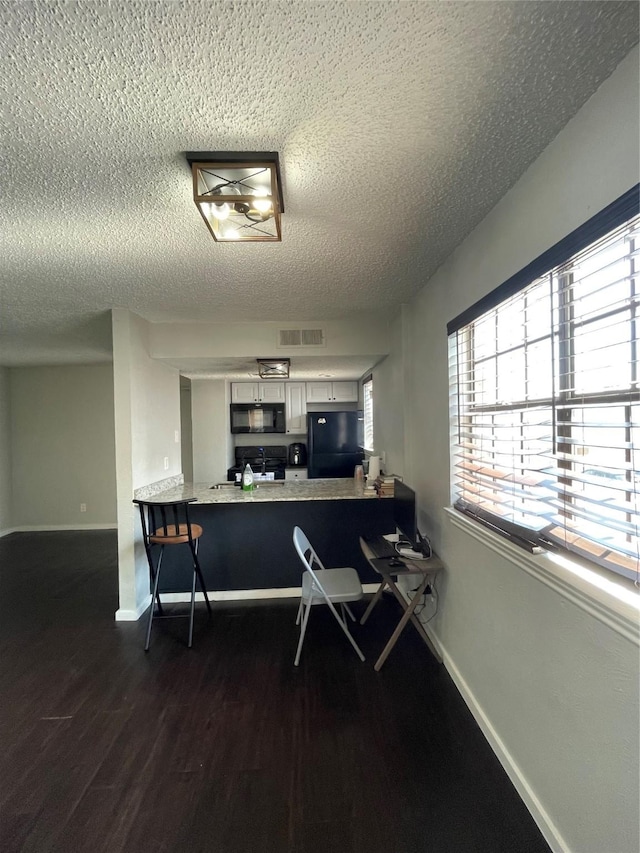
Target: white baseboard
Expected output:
[545,824]
[246,594]
[123,615]
[233,595]
[40,528]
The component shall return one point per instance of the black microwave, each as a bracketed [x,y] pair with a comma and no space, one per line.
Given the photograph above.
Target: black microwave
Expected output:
[257,417]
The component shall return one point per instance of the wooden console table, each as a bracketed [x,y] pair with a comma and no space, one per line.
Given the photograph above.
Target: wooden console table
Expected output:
[423,569]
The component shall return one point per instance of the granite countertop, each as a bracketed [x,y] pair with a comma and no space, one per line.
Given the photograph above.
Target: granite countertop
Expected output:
[280,490]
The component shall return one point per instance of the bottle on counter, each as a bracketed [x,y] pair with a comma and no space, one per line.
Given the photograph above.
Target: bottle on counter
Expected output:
[247,478]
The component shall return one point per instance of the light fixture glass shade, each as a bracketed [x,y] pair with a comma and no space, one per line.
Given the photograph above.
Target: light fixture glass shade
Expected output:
[273,368]
[238,194]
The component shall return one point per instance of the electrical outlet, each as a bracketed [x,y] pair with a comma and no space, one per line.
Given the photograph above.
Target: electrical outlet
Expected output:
[176,436]
[83,507]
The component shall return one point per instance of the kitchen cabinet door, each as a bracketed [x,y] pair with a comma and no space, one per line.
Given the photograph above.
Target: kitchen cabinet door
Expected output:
[345,392]
[271,392]
[244,392]
[332,392]
[296,407]
[295,474]
[257,392]
[319,392]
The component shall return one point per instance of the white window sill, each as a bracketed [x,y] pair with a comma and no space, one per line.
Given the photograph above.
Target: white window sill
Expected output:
[615,604]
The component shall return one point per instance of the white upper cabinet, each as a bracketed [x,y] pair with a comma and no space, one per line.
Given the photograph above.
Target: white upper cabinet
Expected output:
[257,392]
[345,392]
[296,407]
[332,392]
[319,392]
[244,392]
[271,392]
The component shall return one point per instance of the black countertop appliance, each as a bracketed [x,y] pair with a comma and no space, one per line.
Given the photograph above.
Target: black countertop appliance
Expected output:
[335,443]
[297,454]
[264,459]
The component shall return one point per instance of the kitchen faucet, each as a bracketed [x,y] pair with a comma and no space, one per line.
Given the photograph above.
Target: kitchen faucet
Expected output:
[264,460]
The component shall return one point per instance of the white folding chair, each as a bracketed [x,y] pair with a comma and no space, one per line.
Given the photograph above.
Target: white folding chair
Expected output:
[324,586]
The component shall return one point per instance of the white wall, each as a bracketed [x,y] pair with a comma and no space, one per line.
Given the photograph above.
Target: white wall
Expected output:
[186,427]
[389,400]
[62,447]
[5,453]
[364,335]
[211,431]
[554,686]
[147,430]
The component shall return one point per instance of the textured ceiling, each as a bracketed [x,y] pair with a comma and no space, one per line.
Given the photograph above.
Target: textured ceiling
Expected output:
[399,126]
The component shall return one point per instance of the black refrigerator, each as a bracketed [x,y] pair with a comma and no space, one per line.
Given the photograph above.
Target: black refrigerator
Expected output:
[334,443]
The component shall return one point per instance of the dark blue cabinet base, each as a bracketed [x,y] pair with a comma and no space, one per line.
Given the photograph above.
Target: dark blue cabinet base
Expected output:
[250,546]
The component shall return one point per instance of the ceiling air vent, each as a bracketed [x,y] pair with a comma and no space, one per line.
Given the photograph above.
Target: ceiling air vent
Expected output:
[301,338]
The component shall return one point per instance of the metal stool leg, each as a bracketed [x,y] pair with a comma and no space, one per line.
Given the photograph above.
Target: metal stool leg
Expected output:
[155,596]
[196,563]
[193,606]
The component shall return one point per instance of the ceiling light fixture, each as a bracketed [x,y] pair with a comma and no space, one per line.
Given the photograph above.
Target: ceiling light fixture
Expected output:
[238,194]
[273,368]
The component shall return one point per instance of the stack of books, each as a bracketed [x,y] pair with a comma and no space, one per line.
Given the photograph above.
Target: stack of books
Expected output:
[385,485]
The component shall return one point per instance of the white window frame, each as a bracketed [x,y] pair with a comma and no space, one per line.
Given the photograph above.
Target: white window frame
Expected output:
[464,365]
[367,406]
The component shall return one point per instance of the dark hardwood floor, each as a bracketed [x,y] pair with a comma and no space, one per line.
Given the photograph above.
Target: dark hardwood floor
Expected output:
[227,747]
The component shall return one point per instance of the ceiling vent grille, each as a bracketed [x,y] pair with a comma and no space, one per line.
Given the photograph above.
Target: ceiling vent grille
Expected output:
[301,338]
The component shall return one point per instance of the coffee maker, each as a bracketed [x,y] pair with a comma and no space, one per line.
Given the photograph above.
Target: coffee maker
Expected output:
[297,454]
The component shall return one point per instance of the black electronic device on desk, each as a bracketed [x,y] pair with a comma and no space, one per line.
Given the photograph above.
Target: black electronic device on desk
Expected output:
[411,544]
[404,516]
[380,547]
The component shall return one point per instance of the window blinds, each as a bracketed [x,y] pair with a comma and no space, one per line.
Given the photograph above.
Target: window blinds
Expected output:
[545,404]
[367,393]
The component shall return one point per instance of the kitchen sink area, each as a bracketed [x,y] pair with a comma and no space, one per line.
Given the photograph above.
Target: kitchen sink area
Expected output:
[260,484]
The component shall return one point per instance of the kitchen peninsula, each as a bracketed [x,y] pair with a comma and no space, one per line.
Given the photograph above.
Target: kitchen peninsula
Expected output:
[247,539]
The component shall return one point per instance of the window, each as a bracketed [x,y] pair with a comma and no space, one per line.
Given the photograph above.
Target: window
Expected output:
[545,397]
[367,393]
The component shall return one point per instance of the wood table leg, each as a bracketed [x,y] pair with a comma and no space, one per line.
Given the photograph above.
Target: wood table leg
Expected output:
[373,602]
[414,619]
[408,614]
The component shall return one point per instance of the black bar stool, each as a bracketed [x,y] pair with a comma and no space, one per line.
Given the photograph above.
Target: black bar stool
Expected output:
[168,523]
